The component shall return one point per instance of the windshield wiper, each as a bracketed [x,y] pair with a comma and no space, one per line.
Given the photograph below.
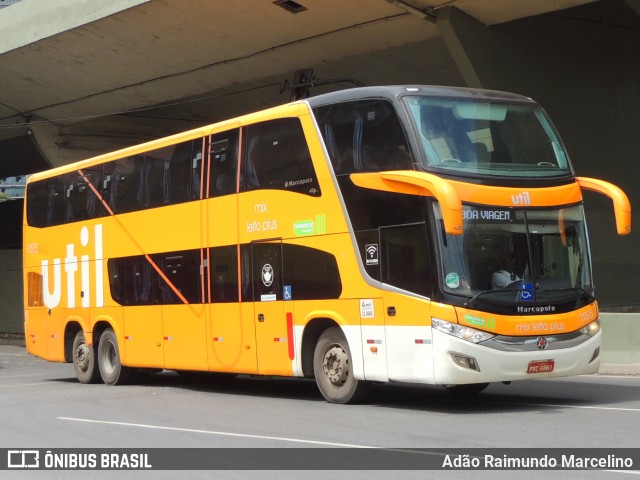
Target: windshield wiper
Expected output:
[469,300]
[512,287]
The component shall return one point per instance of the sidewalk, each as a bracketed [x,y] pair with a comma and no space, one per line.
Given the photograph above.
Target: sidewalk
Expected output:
[619,369]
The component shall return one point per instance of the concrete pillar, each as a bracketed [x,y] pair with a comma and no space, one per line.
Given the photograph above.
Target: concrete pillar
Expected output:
[12,313]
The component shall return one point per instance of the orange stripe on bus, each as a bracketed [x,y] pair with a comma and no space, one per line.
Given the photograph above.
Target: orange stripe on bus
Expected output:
[153,264]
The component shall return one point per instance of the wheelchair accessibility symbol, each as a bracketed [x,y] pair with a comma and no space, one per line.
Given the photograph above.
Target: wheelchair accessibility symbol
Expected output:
[286,294]
[526,292]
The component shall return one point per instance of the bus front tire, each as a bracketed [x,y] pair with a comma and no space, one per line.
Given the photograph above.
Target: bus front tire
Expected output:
[333,369]
[111,369]
[84,360]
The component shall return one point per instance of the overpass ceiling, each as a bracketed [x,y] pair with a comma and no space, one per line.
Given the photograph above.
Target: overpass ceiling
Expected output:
[158,51]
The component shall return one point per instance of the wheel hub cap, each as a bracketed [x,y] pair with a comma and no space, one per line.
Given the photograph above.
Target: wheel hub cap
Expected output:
[336,365]
[82,357]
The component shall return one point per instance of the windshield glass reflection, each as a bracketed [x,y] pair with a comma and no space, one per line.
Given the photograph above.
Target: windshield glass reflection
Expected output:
[507,255]
[487,138]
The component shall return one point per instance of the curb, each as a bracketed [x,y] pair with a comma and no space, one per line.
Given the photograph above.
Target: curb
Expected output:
[619,369]
[12,339]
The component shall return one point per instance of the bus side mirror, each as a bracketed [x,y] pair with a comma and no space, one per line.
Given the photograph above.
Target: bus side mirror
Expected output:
[621,205]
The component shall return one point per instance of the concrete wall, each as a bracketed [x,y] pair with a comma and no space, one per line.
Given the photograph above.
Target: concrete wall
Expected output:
[621,338]
[11,311]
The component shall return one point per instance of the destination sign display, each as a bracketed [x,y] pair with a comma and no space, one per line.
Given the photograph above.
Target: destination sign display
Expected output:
[489,215]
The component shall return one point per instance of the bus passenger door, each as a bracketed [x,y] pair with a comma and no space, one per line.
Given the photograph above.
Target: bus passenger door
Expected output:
[268,308]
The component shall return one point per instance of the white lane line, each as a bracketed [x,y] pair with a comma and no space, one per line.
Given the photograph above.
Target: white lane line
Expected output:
[24,385]
[267,437]
[214,432]
[586,407]
[25,375]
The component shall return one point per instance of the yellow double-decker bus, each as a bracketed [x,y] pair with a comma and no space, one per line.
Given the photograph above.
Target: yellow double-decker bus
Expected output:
[386,234]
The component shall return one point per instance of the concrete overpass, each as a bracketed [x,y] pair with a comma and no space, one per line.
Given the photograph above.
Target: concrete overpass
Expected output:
[80,77]
[87,76]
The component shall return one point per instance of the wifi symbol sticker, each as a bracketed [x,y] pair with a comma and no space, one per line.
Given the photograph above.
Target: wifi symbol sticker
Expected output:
[371,253]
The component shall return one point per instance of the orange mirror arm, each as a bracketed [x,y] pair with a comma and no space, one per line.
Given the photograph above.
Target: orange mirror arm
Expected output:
[621,205]
[418,183]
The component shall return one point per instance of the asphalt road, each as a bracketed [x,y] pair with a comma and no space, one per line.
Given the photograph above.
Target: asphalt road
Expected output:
[43,406]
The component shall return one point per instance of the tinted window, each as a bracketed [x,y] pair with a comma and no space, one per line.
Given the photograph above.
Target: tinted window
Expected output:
[404,258]
[310,274]
[135,281]
[76,195]
[185,167]
[364,136]
[224,274]
[277,157]
[161,177]
[37,202]
[124,181]
[369,209]
[93,191]
[132,280]
[182,269]
[224,163]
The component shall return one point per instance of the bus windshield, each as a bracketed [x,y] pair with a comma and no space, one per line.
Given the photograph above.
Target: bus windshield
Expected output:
[487,138]
[507,255]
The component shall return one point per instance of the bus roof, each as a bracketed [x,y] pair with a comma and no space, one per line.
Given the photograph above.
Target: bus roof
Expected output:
[396,91]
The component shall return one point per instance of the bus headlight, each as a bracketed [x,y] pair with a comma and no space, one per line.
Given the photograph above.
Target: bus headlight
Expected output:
[591,329]
[460,331]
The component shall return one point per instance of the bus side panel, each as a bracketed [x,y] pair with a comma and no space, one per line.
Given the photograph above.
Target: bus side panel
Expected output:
[55,333]
[374,341]
[409,338]
[231,338]
[143,342]
[35,329]
[184,336]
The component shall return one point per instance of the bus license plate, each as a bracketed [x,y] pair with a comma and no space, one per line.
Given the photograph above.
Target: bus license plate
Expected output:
[541,366]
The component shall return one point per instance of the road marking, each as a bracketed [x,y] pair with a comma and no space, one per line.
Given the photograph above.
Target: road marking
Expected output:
[214,432]
[587,407]
[267,437]
[25,375]
[24,385]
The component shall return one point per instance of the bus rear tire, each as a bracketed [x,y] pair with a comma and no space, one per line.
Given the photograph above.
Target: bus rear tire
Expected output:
[333,369]
[466,389]
[84,360]
[111,369]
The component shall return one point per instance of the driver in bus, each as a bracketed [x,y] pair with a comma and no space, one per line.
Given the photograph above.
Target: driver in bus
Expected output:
[506,273]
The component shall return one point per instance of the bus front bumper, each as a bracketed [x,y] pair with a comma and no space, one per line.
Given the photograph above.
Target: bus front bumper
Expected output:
[457,361]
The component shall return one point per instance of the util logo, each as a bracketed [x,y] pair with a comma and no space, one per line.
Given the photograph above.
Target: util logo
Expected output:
[71,265]
[522,198]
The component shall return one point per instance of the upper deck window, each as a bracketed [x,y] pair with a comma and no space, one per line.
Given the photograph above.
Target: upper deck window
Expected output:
[363,136]
[278,158]
[487,138]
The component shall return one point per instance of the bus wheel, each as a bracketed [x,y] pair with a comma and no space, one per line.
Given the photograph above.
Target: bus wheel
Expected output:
[84,360]
[332,367]
[466,389]
[111,369]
